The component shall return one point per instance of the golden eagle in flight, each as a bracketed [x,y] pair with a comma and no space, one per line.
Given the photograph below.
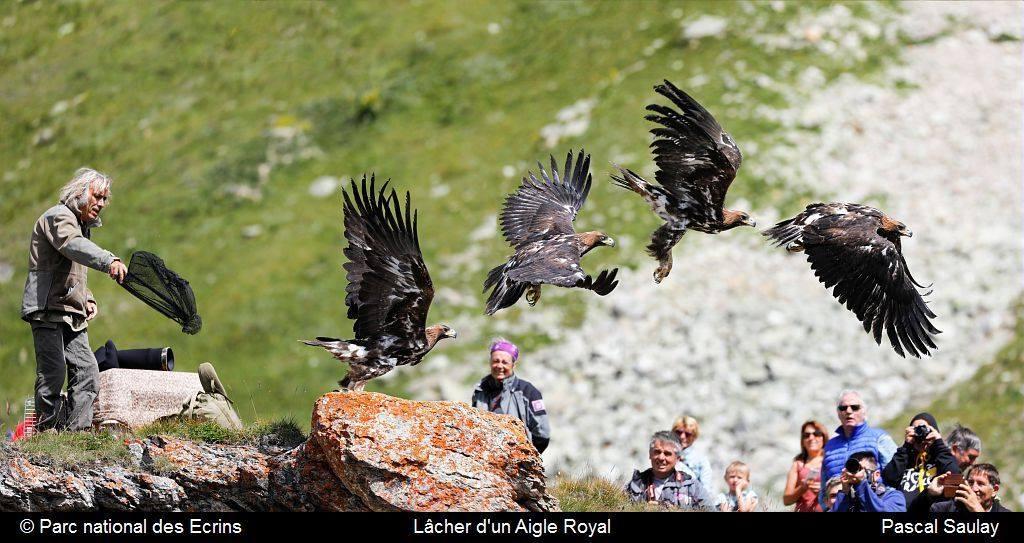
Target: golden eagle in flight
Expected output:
[537,222]
[697,162]
[389,289]
[856,249]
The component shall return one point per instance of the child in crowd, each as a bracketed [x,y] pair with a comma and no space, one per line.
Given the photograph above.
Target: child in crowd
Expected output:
[832,488]
[739,497]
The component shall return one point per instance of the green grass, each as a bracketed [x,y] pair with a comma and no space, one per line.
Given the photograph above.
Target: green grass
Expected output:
[594,493]
[182,103]
[69,449]
[284,433]
[992,404]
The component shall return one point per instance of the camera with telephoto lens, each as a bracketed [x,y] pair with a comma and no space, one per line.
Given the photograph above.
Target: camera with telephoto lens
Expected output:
[921,431]
[852,466]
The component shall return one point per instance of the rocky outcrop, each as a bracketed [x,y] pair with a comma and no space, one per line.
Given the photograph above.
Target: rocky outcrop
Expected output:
[367,451]
[428,456]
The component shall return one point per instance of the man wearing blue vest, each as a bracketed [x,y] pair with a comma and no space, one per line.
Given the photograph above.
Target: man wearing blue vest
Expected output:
[853,435]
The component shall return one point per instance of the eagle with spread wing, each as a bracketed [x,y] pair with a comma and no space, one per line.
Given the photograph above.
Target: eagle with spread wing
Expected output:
[389,289]
[697,162]
[856,249]
[537,222]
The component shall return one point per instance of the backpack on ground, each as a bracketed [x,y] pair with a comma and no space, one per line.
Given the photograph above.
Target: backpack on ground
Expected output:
[213,403]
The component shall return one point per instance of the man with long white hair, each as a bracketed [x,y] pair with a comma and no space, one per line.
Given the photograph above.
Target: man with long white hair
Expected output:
[58,303]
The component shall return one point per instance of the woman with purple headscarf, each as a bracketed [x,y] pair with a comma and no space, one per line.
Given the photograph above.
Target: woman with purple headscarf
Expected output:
[505,393]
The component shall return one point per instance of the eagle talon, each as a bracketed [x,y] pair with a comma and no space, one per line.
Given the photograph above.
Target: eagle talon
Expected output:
[533,295]
[662,272]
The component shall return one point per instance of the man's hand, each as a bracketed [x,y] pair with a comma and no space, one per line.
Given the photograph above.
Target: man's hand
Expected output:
[933,434]
[969,499]
[935,487]
[846,480]
[908,434]
[91,310]
[117,271]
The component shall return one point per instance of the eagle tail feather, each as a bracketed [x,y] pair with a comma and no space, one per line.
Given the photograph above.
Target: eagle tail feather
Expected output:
[506,291]
[630,181]
[346,351]
[785,234]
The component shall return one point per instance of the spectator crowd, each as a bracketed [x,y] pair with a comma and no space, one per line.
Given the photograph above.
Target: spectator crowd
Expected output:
[856,468]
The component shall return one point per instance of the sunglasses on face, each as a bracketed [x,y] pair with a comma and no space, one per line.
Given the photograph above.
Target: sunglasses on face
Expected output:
[814,434]
[852,407]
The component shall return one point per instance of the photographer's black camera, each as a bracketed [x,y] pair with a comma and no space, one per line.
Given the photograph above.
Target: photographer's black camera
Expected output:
[921,431]
[852,465]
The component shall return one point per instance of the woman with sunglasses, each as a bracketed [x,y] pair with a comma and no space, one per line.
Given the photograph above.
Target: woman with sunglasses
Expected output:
[693,462]
[804,480]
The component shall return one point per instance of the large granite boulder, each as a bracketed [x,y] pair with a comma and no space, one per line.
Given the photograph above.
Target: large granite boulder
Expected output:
[403,455]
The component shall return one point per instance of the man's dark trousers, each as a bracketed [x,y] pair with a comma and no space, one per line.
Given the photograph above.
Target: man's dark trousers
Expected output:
[59,351]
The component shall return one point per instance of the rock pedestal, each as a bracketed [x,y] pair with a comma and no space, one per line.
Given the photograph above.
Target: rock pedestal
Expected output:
[135,398]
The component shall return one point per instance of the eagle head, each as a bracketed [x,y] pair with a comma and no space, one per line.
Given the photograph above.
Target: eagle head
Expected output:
[893,226]
[594,238]
[732,219]
[438,332]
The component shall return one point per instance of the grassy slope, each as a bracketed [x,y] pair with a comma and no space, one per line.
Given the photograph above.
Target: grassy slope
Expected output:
[177,101]
[992,404]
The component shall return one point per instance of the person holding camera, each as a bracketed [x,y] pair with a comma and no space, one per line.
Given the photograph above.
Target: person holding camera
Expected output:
[977,494]
[853,435]
[863,489]
[922,457]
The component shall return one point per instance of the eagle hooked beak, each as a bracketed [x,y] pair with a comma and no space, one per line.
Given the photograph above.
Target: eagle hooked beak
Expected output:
[608,241]
[906,232]
[750,222]
[451,333]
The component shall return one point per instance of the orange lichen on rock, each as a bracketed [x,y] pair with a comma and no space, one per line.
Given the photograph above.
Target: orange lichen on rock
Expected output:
[398,454]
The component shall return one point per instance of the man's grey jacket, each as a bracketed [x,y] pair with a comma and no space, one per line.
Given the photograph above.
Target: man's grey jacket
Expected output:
[680,490]
[519,398]
[59,252]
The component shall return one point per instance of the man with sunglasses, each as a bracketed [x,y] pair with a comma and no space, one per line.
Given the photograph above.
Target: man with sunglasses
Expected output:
[853,435]
[863,490]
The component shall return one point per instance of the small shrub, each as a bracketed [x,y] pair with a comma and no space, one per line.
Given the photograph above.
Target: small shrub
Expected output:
[593,493]
[284,433]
